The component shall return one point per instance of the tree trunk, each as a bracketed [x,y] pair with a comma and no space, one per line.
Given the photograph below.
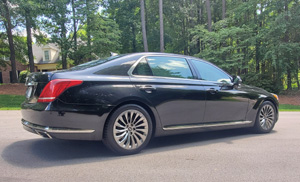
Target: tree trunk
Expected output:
[208,9]
[223,9]
[289,79]
[144,25]
[257,44]
[88,28]
[297,76]
[8,26]
[161,23]
[134,39]
[29,41]
[64,48]
[75,31]
[199,21]
[286,40]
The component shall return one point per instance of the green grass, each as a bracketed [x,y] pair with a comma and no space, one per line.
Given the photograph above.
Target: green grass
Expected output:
[11,102]
[288,107]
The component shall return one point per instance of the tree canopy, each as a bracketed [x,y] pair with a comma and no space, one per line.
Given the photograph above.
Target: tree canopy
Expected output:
[256,39]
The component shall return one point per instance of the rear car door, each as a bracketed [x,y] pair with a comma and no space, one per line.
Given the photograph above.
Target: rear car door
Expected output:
[223,101]
[169,85]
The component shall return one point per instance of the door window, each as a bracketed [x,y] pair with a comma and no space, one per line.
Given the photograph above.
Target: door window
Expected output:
[210,73]
[169,67]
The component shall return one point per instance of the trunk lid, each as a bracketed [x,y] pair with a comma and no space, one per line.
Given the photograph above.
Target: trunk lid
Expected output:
[35,83]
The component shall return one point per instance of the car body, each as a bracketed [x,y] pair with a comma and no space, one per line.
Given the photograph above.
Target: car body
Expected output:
[127,99]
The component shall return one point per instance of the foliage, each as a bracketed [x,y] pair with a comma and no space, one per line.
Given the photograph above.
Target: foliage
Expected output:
[23,75]
[263,81]
[20,46]
[258,39]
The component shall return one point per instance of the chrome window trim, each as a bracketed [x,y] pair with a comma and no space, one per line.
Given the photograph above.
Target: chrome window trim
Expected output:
[189,64]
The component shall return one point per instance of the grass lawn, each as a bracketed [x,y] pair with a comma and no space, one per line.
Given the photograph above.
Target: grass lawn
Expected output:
[13,102]
[288,107]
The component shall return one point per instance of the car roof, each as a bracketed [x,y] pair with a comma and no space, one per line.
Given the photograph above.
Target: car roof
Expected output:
[160,54]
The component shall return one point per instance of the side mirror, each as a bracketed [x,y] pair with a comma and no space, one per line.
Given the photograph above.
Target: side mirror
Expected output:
[237,80]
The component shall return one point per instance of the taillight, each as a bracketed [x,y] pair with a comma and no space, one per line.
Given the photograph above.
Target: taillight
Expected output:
[55,87]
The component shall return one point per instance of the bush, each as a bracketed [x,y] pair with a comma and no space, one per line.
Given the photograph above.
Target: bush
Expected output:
[263,81]
[23,75]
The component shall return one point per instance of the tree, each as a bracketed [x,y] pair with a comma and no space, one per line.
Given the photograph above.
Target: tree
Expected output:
[126,15]
[208,9]
[223,9]
[144,25]
[29,9]
[161,25]
[6,18]
[57,13]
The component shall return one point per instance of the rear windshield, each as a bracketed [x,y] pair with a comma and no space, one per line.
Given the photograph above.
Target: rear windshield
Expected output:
[94,63]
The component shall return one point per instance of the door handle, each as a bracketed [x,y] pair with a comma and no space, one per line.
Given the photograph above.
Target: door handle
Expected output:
[147,88]
[212,91]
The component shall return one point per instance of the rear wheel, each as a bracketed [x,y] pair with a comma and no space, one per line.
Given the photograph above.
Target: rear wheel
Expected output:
[128,130]
[266,118]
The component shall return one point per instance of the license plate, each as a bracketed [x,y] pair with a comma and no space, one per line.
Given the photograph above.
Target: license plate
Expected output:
[28,92]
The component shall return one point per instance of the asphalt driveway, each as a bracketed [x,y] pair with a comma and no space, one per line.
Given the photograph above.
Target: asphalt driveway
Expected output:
[231,155]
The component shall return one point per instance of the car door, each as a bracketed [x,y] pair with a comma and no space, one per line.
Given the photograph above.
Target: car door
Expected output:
[169,85]
[223,101]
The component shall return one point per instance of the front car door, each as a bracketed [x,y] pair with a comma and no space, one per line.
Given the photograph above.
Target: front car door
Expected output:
[223,101]
[169,85]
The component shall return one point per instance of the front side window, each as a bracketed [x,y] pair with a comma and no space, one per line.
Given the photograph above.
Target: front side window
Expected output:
[169,67]
[209,72]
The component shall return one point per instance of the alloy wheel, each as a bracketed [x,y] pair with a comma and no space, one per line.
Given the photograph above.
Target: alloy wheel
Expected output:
[267,117]
[130,129]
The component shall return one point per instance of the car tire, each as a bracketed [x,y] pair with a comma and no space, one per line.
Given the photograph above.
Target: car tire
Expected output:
[266,118]
[128,130]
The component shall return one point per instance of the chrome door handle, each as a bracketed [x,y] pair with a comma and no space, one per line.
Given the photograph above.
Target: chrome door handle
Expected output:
[212,91]
[147,88]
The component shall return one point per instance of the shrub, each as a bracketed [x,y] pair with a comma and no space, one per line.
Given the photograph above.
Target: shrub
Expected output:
[23,75]
[263,81]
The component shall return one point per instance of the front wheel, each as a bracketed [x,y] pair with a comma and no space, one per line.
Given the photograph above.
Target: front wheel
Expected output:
[128,130]
[266,117]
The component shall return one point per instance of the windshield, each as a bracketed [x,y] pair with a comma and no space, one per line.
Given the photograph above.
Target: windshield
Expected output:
[94,63]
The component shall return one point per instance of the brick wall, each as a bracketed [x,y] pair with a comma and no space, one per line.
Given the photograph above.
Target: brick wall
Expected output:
[5,71]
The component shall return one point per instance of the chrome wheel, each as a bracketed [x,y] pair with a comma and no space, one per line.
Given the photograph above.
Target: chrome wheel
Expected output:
[130,129]
[267,117]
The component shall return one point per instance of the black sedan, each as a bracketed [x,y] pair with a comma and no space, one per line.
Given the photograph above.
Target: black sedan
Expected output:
[125,100]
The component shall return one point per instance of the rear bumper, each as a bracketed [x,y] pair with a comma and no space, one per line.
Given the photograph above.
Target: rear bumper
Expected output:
[64,125]
[56,132]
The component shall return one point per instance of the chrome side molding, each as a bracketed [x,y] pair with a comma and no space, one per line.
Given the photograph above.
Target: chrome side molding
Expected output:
[205,125]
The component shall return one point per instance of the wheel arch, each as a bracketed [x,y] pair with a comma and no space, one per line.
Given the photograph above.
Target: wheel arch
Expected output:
[139,103]
[273,102]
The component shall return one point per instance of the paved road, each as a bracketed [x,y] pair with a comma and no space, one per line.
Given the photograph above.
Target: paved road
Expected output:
[232,155]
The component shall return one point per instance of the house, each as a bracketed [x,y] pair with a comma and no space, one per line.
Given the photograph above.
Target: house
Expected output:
[46,58]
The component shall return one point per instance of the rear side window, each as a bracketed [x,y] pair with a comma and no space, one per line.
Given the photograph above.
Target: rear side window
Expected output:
[169,67]
[209,72]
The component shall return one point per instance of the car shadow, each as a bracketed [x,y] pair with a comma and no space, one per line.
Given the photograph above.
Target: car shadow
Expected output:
[37,153]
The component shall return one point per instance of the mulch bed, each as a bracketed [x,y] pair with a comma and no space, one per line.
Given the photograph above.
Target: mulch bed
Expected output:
[292,98]
[13,89]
